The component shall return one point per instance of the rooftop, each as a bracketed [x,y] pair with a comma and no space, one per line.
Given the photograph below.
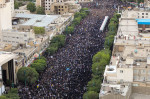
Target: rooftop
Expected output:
[37,20]
[5,57]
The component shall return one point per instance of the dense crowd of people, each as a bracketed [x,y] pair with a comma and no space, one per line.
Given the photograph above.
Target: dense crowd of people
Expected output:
[69,69]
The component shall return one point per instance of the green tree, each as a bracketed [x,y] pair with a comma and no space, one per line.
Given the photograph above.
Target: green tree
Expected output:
[109,41]
[77,20]
[16,5]
[94,85]
[58,40]
[39,30]
[40,10]
[91,95]
[69,30]
[31,6]
[12,94]
[27,73]
[77,14]
[51,50]
[3,97]
[111,33]
[103,54]
[39,65]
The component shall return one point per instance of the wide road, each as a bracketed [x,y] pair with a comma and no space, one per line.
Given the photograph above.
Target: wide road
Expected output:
[69,69]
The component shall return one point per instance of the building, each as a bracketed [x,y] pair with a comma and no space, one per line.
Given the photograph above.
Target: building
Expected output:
[59,6]
[26,22]
[5,16]
[46,4]
[16,38]
[128,74]
[22,9]
[147,4]
[7,69]
[5,47]
[65,7]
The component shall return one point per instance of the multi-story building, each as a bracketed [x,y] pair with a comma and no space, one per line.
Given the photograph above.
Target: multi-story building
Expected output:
[46,4]
[63,8]
[58,6]
[5,16]
[16,38]
[7,69]
[128,74]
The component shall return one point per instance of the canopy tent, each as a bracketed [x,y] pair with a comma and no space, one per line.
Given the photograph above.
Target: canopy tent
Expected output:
[143,21]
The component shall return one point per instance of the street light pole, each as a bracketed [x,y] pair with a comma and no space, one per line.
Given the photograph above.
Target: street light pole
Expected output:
[25,77]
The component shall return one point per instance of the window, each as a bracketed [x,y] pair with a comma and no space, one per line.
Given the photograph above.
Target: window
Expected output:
[143,71]
[121,71]
[142,16]
[142,13]
[148,71]
[135,78]
[135,71]
[146,13]
[62,6]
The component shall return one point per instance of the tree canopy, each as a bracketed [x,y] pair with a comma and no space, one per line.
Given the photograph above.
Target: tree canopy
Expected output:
[56,42]
[40,10]
[31,6]
[39,65]
[12,94]
[39,30]
[27,73]
[91,95]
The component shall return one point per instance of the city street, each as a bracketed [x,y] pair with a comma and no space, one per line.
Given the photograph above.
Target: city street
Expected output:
[69,69]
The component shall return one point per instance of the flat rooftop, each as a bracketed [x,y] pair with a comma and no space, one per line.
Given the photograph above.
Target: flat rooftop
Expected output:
[27,51]
[37,19]
[5,57]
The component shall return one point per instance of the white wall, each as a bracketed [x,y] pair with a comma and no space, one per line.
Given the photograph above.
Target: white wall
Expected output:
[15,37]
[5,16]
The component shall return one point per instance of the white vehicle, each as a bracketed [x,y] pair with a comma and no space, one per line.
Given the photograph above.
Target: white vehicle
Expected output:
[104,23]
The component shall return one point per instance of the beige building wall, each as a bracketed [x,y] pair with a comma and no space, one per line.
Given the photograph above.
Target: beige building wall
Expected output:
[59,8]
[5,17]
[126,74]
[16,37]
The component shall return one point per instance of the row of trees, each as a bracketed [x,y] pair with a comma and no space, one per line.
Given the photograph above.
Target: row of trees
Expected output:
[12,94]
[29,75]
[59,40]
[56,43]
[100,60]
[77,19]
[112,27]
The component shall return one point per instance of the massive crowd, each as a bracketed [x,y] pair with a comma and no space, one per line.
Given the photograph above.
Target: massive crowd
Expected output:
[69,70]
